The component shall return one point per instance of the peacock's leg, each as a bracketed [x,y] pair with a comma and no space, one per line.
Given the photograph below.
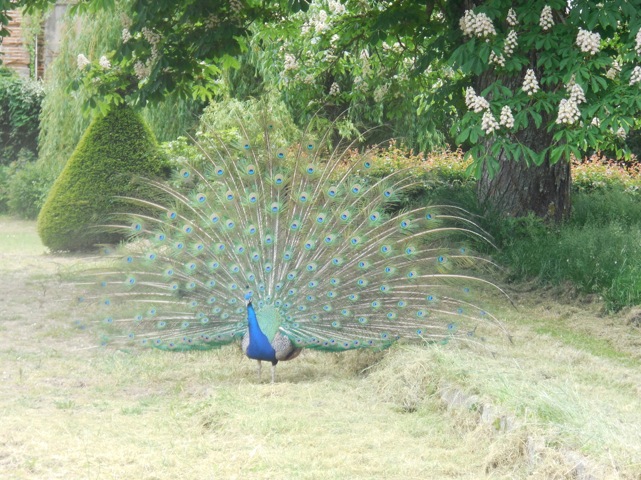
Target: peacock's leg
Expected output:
[259,369]
[273,372]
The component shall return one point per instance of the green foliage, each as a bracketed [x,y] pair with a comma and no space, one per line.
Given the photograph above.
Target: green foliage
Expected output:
[27,190]
[449,166]
[398,63]
[583,64]
[602,207]
[439,177]
[64,116]
[20,101]
[171,46]
[223,116]
[5,6]
[172,117]
[21,185]
[5,175]
[181,150]
[62,120]
[112,152]
[358,58]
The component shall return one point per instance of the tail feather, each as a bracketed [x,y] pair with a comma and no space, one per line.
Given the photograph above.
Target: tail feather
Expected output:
[309,232]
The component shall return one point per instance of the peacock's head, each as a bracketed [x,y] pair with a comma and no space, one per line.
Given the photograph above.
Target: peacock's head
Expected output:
[248,296]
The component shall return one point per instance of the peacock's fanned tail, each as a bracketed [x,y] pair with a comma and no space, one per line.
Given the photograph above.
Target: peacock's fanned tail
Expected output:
[309,232]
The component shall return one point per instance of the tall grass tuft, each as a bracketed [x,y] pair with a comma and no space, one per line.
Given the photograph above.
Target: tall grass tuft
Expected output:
[598,250]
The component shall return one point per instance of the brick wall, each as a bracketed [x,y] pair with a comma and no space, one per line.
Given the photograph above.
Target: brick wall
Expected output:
[15,53]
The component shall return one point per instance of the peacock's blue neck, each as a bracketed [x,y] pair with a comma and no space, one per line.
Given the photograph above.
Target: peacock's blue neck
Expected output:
[259,347]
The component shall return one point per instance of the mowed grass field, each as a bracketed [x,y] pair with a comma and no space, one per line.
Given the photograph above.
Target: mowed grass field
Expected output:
[562,401]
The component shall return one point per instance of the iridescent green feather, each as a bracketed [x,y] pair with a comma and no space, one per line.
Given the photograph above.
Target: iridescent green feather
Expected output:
[309,233]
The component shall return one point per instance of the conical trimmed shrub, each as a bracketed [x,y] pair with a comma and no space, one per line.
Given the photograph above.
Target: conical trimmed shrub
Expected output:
[114,150]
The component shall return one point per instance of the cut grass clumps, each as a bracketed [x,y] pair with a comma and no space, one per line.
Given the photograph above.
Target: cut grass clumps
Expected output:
[114,150]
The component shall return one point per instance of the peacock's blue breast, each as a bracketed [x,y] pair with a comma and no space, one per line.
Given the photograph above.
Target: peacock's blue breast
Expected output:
[260,349]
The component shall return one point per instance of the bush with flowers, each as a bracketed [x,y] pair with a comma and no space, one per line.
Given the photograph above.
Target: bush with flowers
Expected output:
[601,173]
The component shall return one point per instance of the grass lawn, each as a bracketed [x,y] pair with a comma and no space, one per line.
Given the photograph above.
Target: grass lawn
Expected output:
[562,401]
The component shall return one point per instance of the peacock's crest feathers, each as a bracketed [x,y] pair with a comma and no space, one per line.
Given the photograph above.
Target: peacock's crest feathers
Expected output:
[309,233]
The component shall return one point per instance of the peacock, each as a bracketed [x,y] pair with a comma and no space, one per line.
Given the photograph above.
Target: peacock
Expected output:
[284,247]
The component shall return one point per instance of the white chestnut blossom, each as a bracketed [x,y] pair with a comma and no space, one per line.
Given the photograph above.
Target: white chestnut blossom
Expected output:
[621,133]
[320,21]
[530,84]
[235,5]
[489,123]
[480,104]
[212,21]
[638,42]
[142,70]
[470,97]
[588,42]
[614,70]
[571,83]
[476,25]
[474,102]
[546,21]
[510,43]
[126,35]
[82,61]
[636,75]
[497,59]
[328,56]
[506,119]
[104,62]
[380,92]
[336,7]
[395,48]
[577,94]
[317,22]
[152,37]
[511,18]
[290,62]
[568,112]
[595,122]
[334,89]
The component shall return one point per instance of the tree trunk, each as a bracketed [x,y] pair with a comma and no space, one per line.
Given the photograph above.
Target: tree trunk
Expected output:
[518,189]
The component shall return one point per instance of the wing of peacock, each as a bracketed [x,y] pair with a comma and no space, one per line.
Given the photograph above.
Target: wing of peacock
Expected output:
[309,232]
